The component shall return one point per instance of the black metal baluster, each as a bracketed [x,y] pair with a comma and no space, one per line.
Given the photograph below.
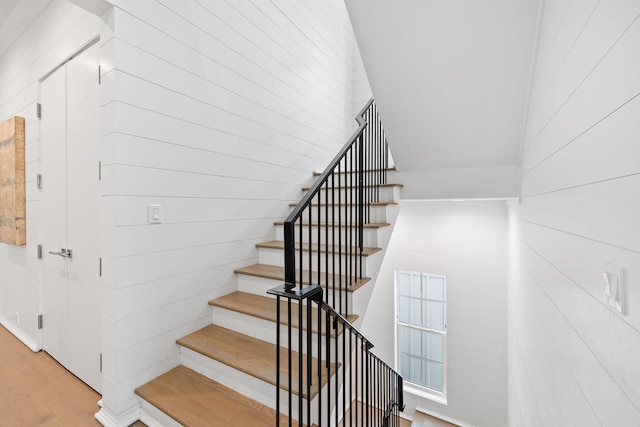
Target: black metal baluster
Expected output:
[290,363]
[278,361]
[328,363]
[351,377]
[319,352]
[351,224]
[309,360]
[340,225]
[344,370]
[300,356]
[319,248]
[336,359]
[326,237]
[310,256]
[301,238]
[333,239]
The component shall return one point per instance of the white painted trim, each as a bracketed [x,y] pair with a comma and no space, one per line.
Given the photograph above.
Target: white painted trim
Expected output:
[425,393]
[124,419]
[443,417]
[153,417]
[21,335]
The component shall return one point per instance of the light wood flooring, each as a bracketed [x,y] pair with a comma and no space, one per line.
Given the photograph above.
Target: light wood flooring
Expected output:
[35,390]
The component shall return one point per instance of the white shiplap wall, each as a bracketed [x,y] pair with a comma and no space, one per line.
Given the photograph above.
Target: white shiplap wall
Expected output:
[467,242]
[220,111]
[53,35]
[572,360]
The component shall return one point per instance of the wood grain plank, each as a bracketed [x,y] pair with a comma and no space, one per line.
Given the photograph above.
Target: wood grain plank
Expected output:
[277,273]
[195,400]
[12,182]
[265,308]
[37,391]
[420,419]
[279,244]
[249,355]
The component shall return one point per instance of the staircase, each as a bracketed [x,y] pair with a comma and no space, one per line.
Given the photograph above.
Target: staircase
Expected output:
[235,371]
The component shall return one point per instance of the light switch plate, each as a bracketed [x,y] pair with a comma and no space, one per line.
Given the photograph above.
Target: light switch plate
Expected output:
[613,291]
[154,214]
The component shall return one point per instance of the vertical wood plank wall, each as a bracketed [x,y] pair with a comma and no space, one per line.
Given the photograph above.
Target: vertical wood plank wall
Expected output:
[219,112]
[572,360]
[12,193]
[467,242]
[58,31]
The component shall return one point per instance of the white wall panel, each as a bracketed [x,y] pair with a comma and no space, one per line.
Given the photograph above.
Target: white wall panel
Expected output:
[220,112]
[467,242]
[572,358]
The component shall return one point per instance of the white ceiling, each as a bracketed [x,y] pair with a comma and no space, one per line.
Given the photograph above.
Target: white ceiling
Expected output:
[6,7]
[451,78]
[15,16]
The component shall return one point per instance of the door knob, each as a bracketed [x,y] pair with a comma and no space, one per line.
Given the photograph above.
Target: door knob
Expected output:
[64,253]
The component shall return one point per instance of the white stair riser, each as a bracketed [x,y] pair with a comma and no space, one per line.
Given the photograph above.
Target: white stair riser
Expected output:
[252,387]
[154,417]
[260,286]
[264,330]
[344,213]
[347,195]
[276,257]
[246,384]
[340,235]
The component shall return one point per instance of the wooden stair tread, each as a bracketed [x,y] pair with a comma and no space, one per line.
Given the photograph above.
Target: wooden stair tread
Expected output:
[360,409]
[391,169]
[420,419]
[264,307]
[324,224]
[366,186]
[348,204]
[250,355]
[195,400]
[274,272]
[279,244]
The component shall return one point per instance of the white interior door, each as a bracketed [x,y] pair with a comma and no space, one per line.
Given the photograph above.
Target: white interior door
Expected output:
[71,217]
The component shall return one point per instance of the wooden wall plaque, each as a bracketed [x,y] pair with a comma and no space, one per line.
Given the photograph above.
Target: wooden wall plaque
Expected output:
[13,228]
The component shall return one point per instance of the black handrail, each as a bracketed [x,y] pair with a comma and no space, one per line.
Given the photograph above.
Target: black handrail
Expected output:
[351,184]
[351,385]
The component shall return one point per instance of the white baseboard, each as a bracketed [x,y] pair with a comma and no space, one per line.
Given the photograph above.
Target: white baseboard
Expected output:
[19,333]
[124,419]
[153,417]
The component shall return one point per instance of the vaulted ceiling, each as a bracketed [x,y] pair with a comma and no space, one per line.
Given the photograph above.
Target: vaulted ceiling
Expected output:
[451,79]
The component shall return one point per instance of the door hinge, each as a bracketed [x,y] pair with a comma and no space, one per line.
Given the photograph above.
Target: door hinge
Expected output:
[39,181]
[99,171]
[40,321]
[39,110]
[39,251]
[100,267]
[100,362]
[99,75]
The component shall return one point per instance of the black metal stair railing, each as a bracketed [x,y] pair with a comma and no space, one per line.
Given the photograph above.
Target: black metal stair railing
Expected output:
[327,373]
[330,218]
[340,381]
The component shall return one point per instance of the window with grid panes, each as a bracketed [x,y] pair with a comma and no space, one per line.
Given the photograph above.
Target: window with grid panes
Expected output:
[422,329]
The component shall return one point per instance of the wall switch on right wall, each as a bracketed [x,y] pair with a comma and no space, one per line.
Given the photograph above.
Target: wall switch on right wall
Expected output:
[613,292]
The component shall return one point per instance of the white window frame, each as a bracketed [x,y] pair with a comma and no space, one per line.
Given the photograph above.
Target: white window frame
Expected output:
[419,389]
